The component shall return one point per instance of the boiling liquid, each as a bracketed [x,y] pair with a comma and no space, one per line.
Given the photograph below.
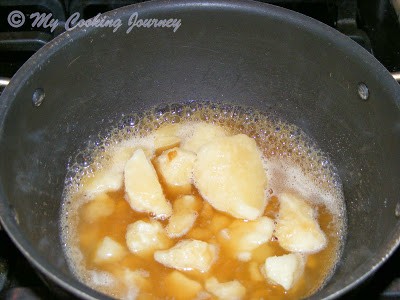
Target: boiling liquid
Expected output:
[292,163]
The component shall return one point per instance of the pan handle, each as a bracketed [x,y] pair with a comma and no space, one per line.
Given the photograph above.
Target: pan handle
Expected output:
[396,76]
[4,82]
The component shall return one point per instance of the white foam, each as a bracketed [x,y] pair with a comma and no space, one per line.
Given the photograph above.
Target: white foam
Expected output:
[101,278]
[285,176]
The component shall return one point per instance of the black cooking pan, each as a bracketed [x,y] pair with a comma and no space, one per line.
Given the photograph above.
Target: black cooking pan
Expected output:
[237,52]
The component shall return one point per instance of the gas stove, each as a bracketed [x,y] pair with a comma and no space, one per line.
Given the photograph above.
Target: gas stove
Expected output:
[374,24]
